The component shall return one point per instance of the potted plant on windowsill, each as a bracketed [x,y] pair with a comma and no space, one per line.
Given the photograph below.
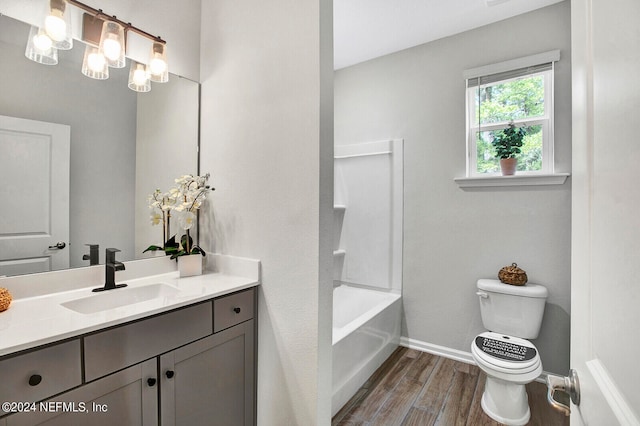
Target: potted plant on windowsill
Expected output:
[507,144]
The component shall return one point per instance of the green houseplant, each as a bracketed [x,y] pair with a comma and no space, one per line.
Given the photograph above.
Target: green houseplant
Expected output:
[507,144]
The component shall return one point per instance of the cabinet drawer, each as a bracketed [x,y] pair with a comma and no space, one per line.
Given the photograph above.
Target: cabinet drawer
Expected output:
[120,347]
[37,375]
[233,309]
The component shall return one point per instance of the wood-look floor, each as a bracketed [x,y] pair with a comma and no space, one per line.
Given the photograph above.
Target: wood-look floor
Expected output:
[417,388]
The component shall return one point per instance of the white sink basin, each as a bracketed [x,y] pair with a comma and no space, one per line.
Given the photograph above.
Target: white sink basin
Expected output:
[116,298]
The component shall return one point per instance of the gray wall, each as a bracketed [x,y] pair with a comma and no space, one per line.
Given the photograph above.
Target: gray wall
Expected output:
[453,237]
[267,139]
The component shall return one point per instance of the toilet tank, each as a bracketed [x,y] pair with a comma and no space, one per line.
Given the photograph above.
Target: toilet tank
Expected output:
[512,310]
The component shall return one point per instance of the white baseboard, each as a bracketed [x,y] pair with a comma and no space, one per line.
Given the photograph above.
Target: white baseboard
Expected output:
[445,352]
[442,351]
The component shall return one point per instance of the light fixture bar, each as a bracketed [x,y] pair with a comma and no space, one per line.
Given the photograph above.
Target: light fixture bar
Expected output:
[127,25]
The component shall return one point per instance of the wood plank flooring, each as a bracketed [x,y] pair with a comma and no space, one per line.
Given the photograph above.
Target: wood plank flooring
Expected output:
[416,388]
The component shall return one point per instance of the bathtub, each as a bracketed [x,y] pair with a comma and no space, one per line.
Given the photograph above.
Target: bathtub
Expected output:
[366,330]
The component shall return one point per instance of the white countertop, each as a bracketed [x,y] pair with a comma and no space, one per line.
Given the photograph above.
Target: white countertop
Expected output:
[33,321]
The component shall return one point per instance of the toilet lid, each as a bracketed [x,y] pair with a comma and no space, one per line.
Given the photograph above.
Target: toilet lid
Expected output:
[507,352]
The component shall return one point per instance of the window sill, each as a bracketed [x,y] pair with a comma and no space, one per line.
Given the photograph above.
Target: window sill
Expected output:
[515,180]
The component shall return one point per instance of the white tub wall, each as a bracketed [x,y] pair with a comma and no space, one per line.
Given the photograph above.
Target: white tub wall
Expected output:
[368,181]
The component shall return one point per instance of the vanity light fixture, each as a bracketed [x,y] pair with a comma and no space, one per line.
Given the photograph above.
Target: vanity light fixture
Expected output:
[107,50]
[40,47]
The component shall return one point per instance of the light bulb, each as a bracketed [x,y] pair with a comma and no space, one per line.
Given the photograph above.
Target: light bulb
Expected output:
[40,48]
[96,61]
[112,44]
[140,75]
[42,42]
[157,66]
[112,48]
[55,26]
[139,78]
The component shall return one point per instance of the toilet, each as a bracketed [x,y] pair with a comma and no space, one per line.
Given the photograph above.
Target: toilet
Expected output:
[512,314]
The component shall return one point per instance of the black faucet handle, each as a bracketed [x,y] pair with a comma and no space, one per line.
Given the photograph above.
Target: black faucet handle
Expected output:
[94,254]
[111,254]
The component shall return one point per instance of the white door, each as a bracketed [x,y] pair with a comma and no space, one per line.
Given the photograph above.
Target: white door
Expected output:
[34,196]
[605,300]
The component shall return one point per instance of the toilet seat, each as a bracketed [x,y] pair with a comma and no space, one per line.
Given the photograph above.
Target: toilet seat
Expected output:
[507,357]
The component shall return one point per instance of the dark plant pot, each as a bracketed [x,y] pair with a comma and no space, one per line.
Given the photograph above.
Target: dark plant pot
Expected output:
[508,166]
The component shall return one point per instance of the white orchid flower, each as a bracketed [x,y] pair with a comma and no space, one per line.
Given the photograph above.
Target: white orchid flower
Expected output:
[186,220]
[156,218]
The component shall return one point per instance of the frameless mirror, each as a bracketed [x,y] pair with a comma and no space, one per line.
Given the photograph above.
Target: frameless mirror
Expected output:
[122,146]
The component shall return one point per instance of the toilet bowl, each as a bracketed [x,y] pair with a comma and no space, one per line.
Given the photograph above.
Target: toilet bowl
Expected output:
[510,361]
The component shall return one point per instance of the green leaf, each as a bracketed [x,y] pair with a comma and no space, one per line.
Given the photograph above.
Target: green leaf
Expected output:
[198,250]
[171,242]
[152,248]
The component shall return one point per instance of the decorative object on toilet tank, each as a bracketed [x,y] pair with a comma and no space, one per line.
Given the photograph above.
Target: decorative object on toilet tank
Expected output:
[512,275]
[5,299]
[507,144]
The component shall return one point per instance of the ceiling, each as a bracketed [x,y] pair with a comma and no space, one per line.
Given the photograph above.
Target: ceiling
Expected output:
[367,29]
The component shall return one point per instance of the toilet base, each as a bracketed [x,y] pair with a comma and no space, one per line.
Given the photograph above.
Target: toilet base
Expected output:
[506,402]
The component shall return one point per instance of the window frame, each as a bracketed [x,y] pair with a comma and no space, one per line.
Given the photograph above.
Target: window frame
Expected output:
[546,121]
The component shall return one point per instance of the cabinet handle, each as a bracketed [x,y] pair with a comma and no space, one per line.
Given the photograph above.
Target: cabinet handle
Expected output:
[151,381]
[169,374]
[35,380]
[236,310]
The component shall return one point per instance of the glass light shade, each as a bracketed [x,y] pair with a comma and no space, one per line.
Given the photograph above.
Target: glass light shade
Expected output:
[95,64]
[112,44]
[57,25]
[40,47]
[138,78]
[158,67]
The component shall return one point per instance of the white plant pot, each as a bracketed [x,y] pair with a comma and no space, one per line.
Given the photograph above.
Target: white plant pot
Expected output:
[190,265]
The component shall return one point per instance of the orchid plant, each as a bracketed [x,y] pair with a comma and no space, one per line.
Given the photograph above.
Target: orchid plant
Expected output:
[182,203]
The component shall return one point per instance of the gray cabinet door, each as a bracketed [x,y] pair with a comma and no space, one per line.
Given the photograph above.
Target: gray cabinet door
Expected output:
[123,398]
[210,382]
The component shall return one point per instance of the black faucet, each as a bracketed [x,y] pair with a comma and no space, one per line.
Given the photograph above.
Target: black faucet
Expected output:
[111,266]
[94,254]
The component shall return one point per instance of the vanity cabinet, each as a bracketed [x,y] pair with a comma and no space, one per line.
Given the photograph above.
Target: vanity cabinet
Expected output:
[111,350]
[123,398]
[191,366]
[211,381]
[37,375]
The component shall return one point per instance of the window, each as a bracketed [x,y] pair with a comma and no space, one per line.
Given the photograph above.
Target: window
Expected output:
[518,91]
